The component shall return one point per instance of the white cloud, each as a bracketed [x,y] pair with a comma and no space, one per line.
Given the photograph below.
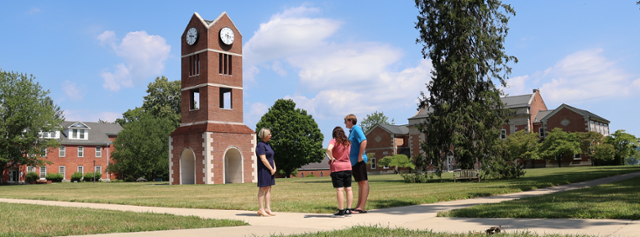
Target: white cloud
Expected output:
[144,56]
[338,78]
[256,110]
[585,76]
[516,85]
[90,116]
[72,91]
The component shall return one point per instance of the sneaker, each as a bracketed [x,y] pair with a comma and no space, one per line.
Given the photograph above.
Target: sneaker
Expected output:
[347,212]
[339,214]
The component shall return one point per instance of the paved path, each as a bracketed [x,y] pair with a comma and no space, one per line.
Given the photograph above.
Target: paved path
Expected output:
[412,217]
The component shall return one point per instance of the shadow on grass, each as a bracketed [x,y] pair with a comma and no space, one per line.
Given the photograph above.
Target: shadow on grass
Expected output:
[390,203]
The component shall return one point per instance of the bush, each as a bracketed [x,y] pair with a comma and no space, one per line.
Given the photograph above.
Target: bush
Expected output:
[310,175]
[77,176]
[89,176]
[415,178]
[32,176]
[55,177]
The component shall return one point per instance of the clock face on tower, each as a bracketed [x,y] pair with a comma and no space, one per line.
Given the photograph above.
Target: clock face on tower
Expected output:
[226,35]
[192,36]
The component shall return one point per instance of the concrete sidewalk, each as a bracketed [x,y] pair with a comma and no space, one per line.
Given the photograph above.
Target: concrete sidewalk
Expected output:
[421,217]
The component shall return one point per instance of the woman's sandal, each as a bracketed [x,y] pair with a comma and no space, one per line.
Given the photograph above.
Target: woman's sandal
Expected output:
[358,211]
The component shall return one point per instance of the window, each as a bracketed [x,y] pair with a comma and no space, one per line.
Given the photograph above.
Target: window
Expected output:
[194,65]
[81,169]
[195,99]
[98,169]
[80,151]
[29,169]
[541,130]
[503,134]
[61,170]
[43,172]
[373,163]
[225,64]
[592,126]
[81,134]
[98,151]
[577,157]
[225,98]
[62,151]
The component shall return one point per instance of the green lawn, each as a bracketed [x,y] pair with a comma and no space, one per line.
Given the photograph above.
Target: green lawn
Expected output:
[38,220]
[366,231]
[315,195]
[608,201]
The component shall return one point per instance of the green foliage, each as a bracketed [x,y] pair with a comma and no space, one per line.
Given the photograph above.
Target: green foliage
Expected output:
[55,177]
[295,136]
[603,153]
[398,161]
[417,178]
[625,146]
[517,149]
[465,42]
[372,119]
[26,110]
[31,176]
[559,144]
[88,177]
[310,175]
[141,148]
[77,176]
[163,100]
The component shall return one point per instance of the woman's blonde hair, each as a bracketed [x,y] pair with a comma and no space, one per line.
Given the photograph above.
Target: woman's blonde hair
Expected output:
[263,133]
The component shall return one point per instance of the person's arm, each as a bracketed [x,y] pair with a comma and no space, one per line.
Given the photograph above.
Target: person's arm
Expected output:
[330,153]
[363,145]
[264,160]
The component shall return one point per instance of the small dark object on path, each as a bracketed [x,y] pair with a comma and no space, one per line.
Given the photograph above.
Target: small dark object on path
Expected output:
[141,180]
[494,230]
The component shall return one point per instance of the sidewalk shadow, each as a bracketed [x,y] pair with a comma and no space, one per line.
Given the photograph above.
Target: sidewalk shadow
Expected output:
[318,216]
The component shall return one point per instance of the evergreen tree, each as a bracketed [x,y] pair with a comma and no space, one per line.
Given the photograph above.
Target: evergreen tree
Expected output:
[465,41]
[295,136]
[26,110]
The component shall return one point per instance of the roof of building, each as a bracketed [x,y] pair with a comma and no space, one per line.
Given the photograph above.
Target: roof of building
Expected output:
[422,113]
[582,112]
[541,114]
[98,133]
[517,101]
[394,129]
[322,165]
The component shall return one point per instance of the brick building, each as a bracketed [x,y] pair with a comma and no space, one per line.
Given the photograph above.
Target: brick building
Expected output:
[212,144]
[85,147]
[530,114]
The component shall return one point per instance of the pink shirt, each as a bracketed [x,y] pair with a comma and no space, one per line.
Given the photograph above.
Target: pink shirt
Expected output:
[341,154]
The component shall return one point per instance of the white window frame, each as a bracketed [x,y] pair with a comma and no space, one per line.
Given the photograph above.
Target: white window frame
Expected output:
[29,168]
[62,170]
[98,151]
[80,151]
[43,168]
[81,169]
[62,151]
[373,163]
[98,169]
[503,134]
[577,156]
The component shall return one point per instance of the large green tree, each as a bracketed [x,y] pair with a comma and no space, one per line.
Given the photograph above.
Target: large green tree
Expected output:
[295,136]
[592,144]
[518,149]
[559,144]
[465,41]
[141,149]
[625,146]
[26,110]
[142,145]
[372,119]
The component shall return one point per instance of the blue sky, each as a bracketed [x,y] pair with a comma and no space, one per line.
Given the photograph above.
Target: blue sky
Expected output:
[331,57]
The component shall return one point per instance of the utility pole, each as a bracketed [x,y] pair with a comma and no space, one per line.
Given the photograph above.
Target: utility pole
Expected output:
[94,171]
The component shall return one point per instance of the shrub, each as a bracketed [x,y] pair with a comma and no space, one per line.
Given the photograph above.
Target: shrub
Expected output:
[32,176]
[311,175]
[55,177]
[415,178]
[89,176]
[77,176]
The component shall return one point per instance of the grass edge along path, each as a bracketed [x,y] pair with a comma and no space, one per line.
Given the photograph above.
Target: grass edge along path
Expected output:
[607,201]
[308,195]
[38,220]
[366,231]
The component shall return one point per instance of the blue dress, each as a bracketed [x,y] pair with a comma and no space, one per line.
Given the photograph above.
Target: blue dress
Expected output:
[265,179]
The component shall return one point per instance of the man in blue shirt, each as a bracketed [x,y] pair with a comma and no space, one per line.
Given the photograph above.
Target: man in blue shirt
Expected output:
[358,161]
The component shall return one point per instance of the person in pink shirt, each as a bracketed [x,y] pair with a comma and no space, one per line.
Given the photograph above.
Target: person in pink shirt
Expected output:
[338,151]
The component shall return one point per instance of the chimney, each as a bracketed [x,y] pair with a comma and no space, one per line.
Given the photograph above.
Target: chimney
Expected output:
[535,90]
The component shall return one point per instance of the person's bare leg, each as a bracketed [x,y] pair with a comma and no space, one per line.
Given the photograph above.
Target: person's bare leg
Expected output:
[349,197]
[340,196]
[261,194]
[267,198]
[363,194]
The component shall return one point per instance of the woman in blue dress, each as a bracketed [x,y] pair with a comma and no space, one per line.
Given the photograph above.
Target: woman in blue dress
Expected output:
[266,172]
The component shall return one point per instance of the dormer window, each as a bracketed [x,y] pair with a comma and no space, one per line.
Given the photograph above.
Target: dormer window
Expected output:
[79,130]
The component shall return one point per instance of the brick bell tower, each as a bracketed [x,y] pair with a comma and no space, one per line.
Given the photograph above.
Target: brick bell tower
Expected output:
[212,144]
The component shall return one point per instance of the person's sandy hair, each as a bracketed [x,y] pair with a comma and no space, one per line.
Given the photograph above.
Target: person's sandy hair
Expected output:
[263,132]
[340,137]
[351,117]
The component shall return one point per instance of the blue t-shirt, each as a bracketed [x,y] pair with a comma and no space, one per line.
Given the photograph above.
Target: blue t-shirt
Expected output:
[356,136]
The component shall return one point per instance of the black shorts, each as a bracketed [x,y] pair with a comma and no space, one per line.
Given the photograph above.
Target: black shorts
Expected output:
[341,179]
[360,171]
